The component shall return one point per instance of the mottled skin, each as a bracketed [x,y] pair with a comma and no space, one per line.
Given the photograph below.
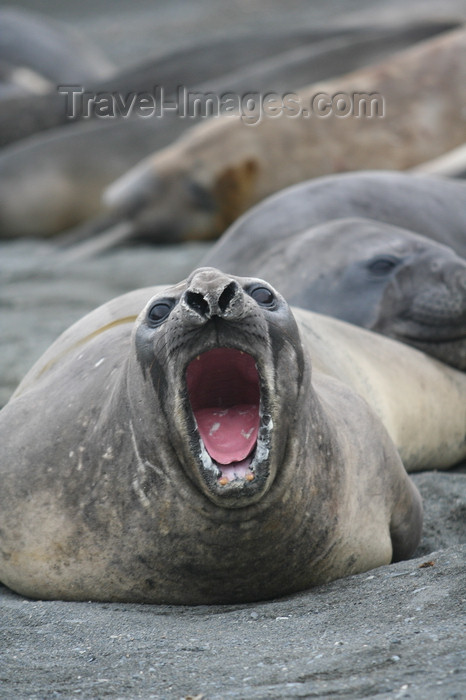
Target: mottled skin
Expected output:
[105,494]
[369,273]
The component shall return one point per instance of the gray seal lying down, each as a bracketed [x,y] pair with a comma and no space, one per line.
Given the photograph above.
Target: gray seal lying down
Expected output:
[369,273]
[200,444]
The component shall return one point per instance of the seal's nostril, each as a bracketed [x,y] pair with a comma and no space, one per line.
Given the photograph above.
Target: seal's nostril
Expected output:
[197,302]
[227,296]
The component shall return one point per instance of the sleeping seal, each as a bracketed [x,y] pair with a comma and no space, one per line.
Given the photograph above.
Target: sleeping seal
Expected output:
[410,112]
[276,62]
[374,275]
[188,453]
[51,182]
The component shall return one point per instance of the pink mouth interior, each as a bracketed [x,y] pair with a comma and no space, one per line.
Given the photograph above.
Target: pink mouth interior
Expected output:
[223,388]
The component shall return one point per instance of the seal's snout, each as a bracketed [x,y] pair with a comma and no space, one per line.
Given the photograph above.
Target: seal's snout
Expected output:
[208,304]
[211,293]
[444,303]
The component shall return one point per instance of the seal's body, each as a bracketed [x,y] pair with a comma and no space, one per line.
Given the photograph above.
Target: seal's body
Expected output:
[189,454]
[404,123]
[434,207]
[366,272]
[52,181]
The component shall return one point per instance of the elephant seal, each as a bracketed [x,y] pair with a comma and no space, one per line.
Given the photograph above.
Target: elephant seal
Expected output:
[186,453]
[396,115]
[187,67]
[374,275]
[276,62]
[431,206]
[54,180]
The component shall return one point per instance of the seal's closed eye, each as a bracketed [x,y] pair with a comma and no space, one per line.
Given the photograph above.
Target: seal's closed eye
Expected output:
[383,264]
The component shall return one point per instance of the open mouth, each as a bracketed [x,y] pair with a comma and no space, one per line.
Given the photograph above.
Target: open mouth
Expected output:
[224,392]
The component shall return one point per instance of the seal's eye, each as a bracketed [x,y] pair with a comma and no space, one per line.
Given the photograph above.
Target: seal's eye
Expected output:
[158,312]
[263,296]
[382,265]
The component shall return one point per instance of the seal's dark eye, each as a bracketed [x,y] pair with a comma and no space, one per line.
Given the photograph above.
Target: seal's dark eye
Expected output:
[158,312]
[263,296]
[382,265]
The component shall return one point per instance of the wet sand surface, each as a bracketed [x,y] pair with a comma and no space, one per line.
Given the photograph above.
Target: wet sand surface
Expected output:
[396,632]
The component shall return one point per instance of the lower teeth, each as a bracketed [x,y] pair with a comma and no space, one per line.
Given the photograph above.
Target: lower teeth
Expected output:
[225,480]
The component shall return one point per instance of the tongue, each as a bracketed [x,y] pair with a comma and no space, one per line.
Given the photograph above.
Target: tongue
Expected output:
[229,434]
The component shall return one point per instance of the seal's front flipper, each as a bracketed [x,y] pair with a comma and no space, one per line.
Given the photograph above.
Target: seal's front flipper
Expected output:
[406,521]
